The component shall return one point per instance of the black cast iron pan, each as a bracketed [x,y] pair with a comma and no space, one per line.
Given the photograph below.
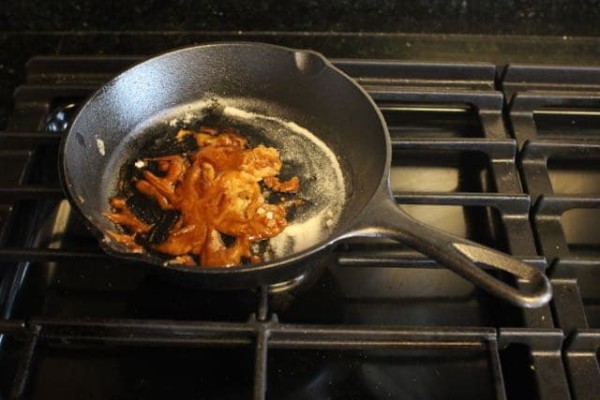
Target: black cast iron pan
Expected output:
[327,128]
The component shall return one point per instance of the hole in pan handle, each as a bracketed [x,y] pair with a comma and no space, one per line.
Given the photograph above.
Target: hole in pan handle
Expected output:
[383,218]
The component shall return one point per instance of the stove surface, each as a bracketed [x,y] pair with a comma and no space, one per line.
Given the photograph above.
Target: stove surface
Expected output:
[508,158]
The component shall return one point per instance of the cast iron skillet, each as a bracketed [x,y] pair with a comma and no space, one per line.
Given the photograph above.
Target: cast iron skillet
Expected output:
[293,85]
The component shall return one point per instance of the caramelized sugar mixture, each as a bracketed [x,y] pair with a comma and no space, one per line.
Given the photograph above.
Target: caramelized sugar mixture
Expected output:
[216,191]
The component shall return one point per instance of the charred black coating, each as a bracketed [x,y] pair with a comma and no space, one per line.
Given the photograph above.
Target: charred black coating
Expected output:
[160,231]
[293,210]
[163,142]
[227,240]
[145,208]
[289,169]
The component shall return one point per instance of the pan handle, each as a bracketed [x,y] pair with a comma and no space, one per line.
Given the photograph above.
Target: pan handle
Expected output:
[385,219]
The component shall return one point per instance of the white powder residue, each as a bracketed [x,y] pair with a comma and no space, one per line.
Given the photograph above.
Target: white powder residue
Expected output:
[188,117]
[100,145]
[184,114]
[300,235]
[330,219]
[325,194]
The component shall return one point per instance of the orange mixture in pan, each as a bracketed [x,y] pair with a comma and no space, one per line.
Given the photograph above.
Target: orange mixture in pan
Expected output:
[217,191]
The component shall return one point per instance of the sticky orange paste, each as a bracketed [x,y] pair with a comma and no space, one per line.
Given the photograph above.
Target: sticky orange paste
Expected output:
[217,191]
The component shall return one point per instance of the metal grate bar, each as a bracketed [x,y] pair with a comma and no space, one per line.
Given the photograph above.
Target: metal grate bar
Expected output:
[554,205]
[525,105]
[473,75]
[48,93]
[262,312]
[48,68]
[530,102]
[261,345]
[24,368]
[548,148]
[545,351]
[556,78]
[393,72]
[583,369]
[37,254]
[506,203]
[504,149]
[534,161]
[547,217]
[281,335]
[30,139]
[494,356]
[13,327]
[23,192]
[146,332]
[568,302]
[260,364]
[484,101]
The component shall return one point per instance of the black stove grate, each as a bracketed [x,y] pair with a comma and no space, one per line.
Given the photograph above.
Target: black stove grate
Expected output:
[555,113]
[381,322]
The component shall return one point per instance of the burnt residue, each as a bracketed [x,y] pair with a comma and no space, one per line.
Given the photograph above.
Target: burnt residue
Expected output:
[144,207]
[162,227]
[160,143]
[161,140]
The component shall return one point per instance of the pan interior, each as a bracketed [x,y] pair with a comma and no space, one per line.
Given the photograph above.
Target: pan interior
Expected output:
[324,186]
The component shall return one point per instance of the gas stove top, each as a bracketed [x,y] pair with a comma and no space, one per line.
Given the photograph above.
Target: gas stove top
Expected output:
[506,157]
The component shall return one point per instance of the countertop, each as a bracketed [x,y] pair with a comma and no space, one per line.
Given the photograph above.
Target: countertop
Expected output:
[520,17]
